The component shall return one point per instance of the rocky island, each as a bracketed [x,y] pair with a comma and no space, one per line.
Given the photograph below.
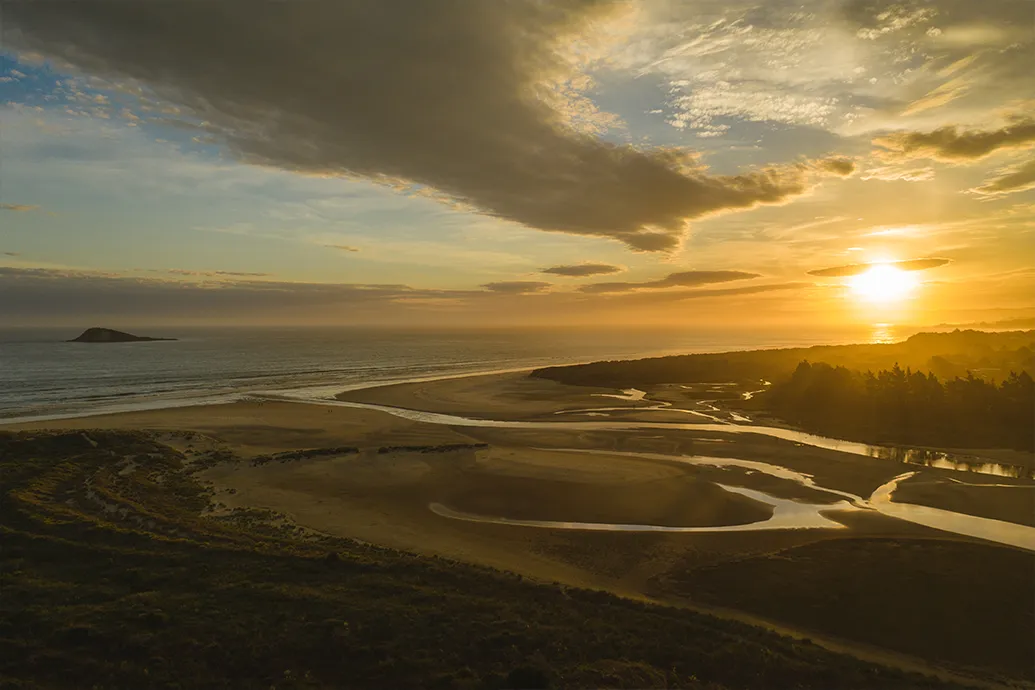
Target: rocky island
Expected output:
[107,335]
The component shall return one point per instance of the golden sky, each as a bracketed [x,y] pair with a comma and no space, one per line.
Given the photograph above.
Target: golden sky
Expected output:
[576,162]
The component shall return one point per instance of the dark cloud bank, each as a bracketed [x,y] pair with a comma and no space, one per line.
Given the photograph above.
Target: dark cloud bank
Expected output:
[68,295]
[60,294]
[454,94]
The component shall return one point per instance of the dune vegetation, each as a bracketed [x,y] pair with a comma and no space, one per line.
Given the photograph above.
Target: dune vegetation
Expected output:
[116,573]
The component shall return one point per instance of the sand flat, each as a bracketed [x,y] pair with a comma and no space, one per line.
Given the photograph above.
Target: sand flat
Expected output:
[252,428]
[509,396]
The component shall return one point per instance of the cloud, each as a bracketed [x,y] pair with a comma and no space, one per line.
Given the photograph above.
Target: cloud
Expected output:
[1018,178]
[842,66]
[892,173]
[479,101]
[18,207]
[65,293]
[842,167]
[517,287]
[213,274]
[955,145]
[12,254]
[342,247]
[856,269]
[682,279]
[241,274]
[680,295]
[582,270]
[48,296]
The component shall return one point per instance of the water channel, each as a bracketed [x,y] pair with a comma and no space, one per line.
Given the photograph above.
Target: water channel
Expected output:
[787,513]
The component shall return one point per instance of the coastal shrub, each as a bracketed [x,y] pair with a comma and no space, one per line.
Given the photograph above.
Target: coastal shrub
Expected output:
[905,406]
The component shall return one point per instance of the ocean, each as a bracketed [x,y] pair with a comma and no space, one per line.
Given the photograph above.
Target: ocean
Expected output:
[43,376]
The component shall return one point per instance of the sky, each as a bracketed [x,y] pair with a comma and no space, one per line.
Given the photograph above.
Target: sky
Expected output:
[685,163]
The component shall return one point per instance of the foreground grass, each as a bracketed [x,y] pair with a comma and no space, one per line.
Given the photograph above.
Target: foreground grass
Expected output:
[959,603]
[111,578]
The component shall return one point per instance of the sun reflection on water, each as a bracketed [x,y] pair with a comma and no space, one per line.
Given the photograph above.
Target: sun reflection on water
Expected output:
[882,334]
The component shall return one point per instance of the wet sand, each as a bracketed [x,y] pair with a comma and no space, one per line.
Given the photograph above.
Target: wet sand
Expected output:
[1011,502]
[509,396]
[253,428]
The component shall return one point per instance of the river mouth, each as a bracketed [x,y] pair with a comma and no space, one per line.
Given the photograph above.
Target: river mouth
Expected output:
[787,513]
[910,456]
[1005,533]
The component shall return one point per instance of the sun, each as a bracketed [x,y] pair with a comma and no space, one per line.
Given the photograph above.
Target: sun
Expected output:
[883,284]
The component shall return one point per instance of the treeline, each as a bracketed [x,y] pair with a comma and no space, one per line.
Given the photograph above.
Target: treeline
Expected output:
[989,356]
[911,407]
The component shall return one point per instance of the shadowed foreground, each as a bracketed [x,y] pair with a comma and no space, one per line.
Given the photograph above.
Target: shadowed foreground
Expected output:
[111,578]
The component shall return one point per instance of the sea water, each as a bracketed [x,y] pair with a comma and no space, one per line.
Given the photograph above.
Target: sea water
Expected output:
[41,374]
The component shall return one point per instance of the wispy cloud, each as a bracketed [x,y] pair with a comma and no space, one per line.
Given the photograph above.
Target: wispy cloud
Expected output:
[517,287]
[241,274]
[893,173]
[681,279]
[12,254]
[1018,178]
[681,295]
[582,270]
[850,65]
[18,207]
[955,145]
[215,274]
[857,269]
[342,247]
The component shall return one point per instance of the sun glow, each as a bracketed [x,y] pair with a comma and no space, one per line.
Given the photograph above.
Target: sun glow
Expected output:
[883,283]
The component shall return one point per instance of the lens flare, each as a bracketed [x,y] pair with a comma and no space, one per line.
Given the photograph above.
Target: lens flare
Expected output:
[883,284]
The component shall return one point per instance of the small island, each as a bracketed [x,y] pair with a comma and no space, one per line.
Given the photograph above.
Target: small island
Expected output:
[107,335]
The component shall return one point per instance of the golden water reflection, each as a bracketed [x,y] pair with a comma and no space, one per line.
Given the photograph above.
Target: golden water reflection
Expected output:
[882,334]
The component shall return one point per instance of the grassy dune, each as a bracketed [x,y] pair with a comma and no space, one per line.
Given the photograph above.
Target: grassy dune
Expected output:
[924,597]
[112,578]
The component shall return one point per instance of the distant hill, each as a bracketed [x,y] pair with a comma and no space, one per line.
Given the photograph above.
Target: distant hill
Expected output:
[107,335]
[991,356]
[1025,323]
